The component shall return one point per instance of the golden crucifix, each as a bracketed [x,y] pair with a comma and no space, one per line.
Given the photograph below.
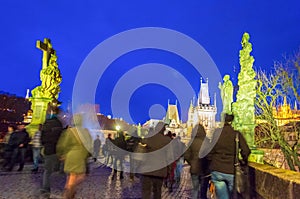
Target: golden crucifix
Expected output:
[47,49]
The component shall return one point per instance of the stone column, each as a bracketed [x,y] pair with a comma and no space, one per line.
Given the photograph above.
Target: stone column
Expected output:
[243,109]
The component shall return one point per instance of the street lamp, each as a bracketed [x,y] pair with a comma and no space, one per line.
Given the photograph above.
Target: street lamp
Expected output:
[118,128]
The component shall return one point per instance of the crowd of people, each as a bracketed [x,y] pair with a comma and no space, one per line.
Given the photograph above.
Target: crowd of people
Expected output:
[157,158]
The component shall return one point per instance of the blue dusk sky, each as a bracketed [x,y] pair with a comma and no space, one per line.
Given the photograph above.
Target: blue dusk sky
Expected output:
[132,57]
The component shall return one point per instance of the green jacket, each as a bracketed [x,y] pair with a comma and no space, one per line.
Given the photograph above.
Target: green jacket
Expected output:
[74,147]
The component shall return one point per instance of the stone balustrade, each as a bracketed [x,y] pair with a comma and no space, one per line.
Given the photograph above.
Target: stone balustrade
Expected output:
[269,182]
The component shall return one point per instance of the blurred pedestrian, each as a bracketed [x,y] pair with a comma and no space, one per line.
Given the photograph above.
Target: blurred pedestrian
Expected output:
[7,147]
[192,157]
[155,167]
[51,131]
[108,150]
[96,148]
[36,148]
[120,146]
[132,144]
[74,147]
[19,141]
[179,149]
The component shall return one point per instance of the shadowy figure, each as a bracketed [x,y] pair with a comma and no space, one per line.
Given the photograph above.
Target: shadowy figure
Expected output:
[18,141]
[197,166]
[74,147]
[36,148]
[120,146]
[108,149]
[132,144]
[8,149]
[51,131]
[222,157]
[152,179]
[96,148]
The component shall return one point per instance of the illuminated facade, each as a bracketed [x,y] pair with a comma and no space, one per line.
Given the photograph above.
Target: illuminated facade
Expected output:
[203,112]
[284,114]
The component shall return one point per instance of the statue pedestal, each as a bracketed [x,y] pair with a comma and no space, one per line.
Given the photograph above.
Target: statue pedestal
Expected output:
[256,155]
[39,108]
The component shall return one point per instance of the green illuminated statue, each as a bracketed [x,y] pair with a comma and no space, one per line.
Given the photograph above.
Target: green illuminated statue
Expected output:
[49,75]
[243,108]
[226,94]
[49,89]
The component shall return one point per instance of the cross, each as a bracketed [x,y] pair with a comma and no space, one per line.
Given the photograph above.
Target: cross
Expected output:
[47,49]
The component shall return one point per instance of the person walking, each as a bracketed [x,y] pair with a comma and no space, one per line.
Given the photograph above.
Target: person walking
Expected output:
[119,153]
[36,148]
[7,147]
[222,157]
[19,141]
[108,150]
[96,148]
[51,131]
[156,167]
[192,157]
[132,144]
[74,147]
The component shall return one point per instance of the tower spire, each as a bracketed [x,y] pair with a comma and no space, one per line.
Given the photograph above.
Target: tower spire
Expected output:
[27,94]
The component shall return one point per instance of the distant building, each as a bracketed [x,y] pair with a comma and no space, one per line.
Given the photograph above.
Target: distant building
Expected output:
[203,111]
[284,114]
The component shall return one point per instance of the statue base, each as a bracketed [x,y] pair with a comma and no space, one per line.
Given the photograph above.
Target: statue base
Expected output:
[39,108]
[256,155]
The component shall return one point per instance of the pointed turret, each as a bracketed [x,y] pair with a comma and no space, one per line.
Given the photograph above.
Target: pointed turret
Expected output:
[204,93]
[27,94]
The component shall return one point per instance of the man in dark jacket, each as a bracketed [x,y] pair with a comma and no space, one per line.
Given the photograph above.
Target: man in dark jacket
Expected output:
[156,163]
[51,131]
[119,153]
[198,167]
[18,141]
[132,144]
[222,158]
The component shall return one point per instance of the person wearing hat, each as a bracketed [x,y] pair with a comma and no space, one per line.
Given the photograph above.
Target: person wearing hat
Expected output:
[18,141]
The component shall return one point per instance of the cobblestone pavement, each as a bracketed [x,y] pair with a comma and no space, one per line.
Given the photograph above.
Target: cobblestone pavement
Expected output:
[98,184]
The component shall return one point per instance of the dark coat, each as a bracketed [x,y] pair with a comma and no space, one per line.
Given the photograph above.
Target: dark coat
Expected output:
[192,153]
[162,157]
[222,155]
[19,137]
[51,131]
[119,146]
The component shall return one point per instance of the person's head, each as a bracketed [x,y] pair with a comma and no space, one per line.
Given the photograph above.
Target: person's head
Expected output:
[11,128]
[21,126]
[199,131]
[109,135]
[228,118]
[169,134]
[160,128]
[52,109]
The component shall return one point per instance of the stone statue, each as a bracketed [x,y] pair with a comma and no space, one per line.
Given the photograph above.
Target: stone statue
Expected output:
[243,109]
[49,89]
[49,75]
[226,94]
